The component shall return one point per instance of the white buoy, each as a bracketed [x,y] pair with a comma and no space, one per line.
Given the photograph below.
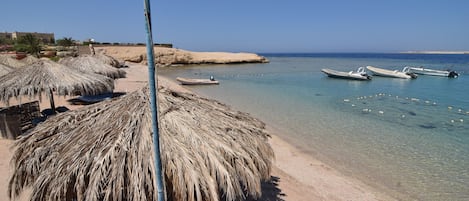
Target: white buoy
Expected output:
[427,102]
[346,100]
[459,110]
[403,116]
[449,107]
[353,105]
[381,112]
[461,120]
[452,121]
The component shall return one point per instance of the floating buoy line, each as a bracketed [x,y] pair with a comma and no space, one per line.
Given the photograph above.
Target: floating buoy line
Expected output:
[408,111]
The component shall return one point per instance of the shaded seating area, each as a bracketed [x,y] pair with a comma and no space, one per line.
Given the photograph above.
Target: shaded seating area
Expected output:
[15,120]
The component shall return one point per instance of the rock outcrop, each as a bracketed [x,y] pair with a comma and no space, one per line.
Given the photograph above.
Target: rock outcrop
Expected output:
[171,56]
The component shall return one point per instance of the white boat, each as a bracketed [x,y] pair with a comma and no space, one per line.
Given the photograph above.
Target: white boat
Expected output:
[189,81]
[360,74]
[426,71]
[404,74]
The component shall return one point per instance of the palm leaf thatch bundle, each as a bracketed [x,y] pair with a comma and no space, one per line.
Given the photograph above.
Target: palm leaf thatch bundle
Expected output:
[10,61]
[4,69]
[108,60]
[89,63]
[29,60]
[48,77]
[104,152]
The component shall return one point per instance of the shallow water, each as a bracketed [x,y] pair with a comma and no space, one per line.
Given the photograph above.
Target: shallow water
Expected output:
[408,138]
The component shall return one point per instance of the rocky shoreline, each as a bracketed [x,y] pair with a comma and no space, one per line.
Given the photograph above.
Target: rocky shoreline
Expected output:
[172,56]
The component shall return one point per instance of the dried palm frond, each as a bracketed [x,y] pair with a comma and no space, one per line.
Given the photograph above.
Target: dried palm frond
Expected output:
[104,152]
[107,59]
[4,69]
[28,60]
[91,64]
[48,76]
[10,61]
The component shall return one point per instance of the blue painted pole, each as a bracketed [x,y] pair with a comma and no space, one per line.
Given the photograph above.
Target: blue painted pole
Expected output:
[154,102]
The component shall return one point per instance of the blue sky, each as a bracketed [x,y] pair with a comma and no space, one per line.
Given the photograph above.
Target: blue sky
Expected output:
[254,26]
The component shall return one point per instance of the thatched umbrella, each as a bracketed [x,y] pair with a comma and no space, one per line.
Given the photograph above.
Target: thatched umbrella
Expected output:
[104,152]
[89,63]
[29,60]
[10,61]
[107,60]
[49,77]
[4,69]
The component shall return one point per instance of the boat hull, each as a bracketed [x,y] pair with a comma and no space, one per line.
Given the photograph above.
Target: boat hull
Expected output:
[426,71]
[188,81]
[389,73]
[345,75]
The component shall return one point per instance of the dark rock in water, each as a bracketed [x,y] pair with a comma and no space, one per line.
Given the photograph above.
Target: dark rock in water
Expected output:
[364,103]
[412,113]
[318,94]
[427,126]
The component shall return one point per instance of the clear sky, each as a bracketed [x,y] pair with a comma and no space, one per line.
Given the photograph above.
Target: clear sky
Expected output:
[253,25]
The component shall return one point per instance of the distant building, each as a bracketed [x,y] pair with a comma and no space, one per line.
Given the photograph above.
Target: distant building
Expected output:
[44,37]
[5,35]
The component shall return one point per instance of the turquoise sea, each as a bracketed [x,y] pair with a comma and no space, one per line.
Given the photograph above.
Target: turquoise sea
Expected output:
[407,138]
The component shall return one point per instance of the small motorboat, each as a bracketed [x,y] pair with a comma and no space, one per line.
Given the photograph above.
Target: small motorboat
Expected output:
[190,81]
[360,74]
[426,71]
[404,74]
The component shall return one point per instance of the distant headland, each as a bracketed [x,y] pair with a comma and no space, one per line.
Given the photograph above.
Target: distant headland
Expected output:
[435,52]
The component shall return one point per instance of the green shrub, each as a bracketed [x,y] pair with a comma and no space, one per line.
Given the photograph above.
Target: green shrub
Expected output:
[55,58]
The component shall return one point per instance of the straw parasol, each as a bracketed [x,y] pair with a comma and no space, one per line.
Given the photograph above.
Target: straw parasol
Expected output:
[104,152]
[4,69]
[28,60]
[10,61]
[89,63]
[107,59]
[48,77]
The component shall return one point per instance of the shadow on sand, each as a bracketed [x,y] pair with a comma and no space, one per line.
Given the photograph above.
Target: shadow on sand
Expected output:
[270,191]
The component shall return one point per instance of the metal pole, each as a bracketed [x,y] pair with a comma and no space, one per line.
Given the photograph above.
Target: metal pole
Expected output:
[153,102]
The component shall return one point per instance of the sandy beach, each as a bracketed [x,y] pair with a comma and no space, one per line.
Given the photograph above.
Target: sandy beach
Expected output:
[295,176]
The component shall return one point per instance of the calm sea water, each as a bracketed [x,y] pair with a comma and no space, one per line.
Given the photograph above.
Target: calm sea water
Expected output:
[407,138]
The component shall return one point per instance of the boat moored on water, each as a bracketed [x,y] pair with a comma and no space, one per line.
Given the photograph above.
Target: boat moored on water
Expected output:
[360,74]
[190,81]
[427,71]
[404,74]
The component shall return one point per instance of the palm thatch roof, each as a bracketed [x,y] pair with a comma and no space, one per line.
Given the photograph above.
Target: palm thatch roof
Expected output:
[48,76]
[89,63]
[4,69]
[28,60]
[104,152]
[10,61]
[107,60]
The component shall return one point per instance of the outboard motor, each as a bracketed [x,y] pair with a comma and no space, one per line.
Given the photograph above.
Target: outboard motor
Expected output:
[453,74]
